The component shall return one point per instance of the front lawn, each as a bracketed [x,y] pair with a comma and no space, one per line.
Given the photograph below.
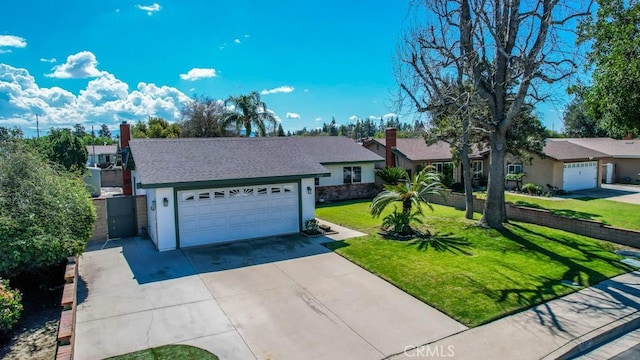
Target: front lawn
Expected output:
[168,352]
[472,274]
[609,212]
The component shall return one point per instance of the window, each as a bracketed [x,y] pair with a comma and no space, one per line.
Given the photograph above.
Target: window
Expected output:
[351,174]
[203,196]
[262,191]
[447,170]
[514,169]
[248,192]
[316,181]
[218,194]
[188,197]
[288,189]
[476,169]
[275,190]
[234,192]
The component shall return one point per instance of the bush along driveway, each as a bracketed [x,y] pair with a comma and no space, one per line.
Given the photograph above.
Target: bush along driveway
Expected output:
[472,274]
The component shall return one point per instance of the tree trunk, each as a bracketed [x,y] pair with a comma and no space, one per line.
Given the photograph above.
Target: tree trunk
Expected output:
[247,128]
[406,206]
[494,210]
[466,170]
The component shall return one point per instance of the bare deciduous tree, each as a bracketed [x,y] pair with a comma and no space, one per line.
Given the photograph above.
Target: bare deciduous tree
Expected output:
[506,48]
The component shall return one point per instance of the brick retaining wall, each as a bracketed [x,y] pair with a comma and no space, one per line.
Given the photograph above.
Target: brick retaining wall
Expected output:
[543,217]
[345,192]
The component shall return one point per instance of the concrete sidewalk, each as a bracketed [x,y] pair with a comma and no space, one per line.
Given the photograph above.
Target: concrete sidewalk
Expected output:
[541,330]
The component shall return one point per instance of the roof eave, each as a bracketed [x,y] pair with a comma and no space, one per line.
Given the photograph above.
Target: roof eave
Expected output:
[232,182]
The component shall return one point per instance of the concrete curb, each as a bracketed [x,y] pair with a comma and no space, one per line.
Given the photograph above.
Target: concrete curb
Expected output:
[596,338]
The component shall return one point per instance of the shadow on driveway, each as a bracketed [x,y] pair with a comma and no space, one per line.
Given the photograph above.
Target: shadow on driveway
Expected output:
[149,265]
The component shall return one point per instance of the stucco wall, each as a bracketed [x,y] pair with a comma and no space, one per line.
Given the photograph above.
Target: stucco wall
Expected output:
[336,178]
[624,168]
[165,219]
[111,177]
[542,172]
[308,201]
[379,150]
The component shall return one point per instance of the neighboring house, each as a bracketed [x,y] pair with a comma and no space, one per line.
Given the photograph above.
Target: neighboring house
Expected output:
[208,190]
[413,154]
[102,155]
[582,163]
[566,165]
[622,163]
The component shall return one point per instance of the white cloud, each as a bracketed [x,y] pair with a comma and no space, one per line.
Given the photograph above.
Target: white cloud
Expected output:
[78,66]
[373,117]
[306,90]
[247,36]
[279,89]
[12,41]
[291,115]
[5,51]
[389,116]
[105,100]
[52,60]
[353,118]
[150,9]
[237,41]
[318,119]
[198,73]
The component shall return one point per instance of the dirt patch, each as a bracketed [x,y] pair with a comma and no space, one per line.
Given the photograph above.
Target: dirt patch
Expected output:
[34,337]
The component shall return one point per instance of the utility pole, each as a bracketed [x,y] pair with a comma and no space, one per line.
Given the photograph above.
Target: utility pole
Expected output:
[93,143]
[37,127]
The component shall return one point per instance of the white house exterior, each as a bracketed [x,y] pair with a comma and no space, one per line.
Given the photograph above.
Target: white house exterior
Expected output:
[204,191]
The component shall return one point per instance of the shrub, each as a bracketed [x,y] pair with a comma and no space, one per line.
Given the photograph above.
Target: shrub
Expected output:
[46,215]
[311,226]
[392,175]
[532,189]
[400,222]
[10,306]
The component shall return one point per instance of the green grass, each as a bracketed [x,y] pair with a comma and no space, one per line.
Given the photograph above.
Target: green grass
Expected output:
[168,352]
[475,275]
[608,212]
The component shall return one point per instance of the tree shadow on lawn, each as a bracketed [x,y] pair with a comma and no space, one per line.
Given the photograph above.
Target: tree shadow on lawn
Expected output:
[442,242]
[562,212]
[615,295]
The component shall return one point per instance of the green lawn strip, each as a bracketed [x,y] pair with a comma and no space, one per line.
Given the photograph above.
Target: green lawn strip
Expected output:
[472,274]
[614,213]
[168,352]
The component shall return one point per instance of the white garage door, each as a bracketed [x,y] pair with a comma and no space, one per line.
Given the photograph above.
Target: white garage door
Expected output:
[580,175]
[209,216]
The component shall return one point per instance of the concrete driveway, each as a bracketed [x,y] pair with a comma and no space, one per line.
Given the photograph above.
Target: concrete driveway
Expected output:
[616,192]
[276,298]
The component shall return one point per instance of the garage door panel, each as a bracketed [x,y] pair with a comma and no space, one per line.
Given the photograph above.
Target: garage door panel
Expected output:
[578,176]
[226,214]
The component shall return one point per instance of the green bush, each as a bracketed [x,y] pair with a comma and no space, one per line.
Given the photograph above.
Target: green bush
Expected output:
[532,189]
[45,214]
[400,222]
[10,306]
[392,175]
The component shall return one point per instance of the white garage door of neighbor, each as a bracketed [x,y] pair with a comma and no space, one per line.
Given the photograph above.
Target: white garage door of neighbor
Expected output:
[207,216]
[580,175]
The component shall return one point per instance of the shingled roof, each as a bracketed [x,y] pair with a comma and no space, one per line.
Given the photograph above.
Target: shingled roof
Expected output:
[612,147]
[416,149]
[172,161]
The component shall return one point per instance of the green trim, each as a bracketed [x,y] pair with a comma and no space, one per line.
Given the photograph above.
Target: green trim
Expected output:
[175,216]
[233,182]
[351,162]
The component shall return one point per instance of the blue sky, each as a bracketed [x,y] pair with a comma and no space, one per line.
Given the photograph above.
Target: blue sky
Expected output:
[97,62]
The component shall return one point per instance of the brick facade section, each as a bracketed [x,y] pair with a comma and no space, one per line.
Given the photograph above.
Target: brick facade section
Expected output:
[101,229]
[346,192]
[546,218]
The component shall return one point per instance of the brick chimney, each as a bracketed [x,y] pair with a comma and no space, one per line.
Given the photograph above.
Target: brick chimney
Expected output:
[125,136]
[389,159]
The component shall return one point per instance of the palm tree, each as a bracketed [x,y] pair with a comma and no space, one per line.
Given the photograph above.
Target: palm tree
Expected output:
[249,110]
[410,193]
[392,175]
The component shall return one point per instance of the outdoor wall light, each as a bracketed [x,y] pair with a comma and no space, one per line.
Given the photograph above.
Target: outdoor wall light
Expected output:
[309,190]
[153,205]
[165,202]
